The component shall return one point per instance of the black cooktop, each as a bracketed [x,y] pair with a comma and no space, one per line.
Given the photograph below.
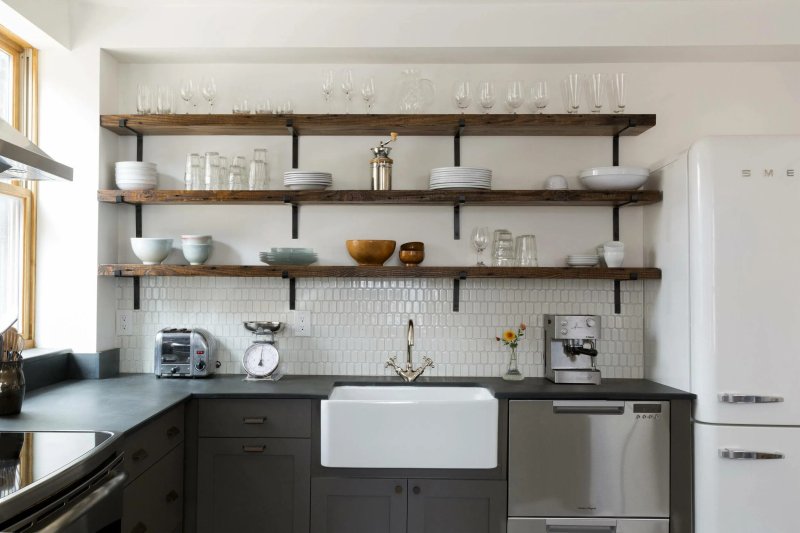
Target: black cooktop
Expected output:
[27,457]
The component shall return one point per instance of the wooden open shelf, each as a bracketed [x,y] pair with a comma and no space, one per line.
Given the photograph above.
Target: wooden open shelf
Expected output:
[453,272]
[357,124]
[401,197]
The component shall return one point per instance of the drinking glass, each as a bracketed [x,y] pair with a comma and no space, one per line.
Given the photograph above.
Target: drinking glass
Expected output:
[263,107]
[260,154]
[597,91]
[480,239]
[327,88]
[241,107]
[211,170]
[462,95]
[144,99]
[188,89]
[514,96]
[236,178]
[208,89]
[487,96]
[526,251]
[503,248]
[192,171]
[538,97]
[164,100]
[368,94]
[347,88]
[572,92]
[617,93]
[258,179]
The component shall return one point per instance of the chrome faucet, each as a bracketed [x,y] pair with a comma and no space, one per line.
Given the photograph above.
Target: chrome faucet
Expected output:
[409,373]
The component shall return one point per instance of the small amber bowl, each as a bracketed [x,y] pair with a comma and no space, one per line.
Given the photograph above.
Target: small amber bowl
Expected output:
[412,253]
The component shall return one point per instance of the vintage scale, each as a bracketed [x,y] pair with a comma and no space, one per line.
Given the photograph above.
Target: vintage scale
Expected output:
[261,359]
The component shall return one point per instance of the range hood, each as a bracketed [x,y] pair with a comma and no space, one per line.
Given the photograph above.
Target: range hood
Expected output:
[21,159]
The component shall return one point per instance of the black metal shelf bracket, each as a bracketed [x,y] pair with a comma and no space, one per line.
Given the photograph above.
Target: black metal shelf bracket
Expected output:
[123,123]
[292,289]
[295,143]
[457,217]
[615,236]
[615,142]
[295,215]
[457,290]
[457,143]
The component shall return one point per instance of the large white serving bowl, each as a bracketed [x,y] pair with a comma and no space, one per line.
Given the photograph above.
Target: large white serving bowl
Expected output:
[196,254]
[614,178]
[151,251]
[445,427]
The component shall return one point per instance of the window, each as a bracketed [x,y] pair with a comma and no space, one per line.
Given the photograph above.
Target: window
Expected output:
[18,198]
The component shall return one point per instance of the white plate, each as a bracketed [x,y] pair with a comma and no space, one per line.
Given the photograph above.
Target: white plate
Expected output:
[297,187]
[136,186]
[471,169]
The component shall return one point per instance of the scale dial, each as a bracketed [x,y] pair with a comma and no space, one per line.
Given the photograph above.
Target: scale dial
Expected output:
[260,360]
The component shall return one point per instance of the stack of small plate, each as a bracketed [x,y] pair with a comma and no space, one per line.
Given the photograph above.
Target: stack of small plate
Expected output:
[583,260]
[288,256]
[301,180]
[461,178]
[135,175]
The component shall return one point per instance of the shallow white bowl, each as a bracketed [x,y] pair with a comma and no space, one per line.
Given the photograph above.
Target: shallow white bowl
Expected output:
[196,239]
[196,254]
[614,178]
[151,251]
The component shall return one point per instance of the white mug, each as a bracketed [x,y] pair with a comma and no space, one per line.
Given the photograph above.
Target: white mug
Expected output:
[614,253]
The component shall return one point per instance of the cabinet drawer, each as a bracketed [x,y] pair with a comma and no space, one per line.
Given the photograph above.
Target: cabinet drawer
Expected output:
[154,502]
[255,418]
[145,446]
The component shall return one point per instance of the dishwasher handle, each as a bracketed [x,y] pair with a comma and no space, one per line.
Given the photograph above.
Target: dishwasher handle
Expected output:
[584,525]
[86,503]
[590,407]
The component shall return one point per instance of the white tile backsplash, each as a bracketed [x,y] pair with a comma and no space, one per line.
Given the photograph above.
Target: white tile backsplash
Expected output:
[356,324]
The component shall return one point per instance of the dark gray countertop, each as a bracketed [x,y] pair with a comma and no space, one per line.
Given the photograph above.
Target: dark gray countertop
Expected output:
[121,404]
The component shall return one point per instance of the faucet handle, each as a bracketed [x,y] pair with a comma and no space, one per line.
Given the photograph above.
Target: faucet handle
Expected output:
[391,362]
[427,361]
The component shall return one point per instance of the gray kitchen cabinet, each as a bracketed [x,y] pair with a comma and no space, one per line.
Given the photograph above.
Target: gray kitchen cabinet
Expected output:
[341,505]
[250,485]
[456,506]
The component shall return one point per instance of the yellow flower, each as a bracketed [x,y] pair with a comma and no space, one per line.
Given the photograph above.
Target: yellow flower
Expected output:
[509,336]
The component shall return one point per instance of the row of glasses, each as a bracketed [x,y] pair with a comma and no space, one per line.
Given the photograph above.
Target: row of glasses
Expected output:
[159,99]
[505,250]
[263,106]
[212,172]
[348,88]
[536,96]
[598,87]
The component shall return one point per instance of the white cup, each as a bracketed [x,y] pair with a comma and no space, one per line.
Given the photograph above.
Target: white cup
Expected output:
[556,183]
[614,253]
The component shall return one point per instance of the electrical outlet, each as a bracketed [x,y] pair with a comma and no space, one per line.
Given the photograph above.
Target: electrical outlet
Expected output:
[124,323]
[302,323]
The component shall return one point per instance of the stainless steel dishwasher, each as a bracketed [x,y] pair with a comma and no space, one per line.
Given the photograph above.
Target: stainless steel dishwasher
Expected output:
[588,466]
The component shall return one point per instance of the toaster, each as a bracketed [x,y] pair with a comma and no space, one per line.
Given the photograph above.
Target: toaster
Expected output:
[184,353]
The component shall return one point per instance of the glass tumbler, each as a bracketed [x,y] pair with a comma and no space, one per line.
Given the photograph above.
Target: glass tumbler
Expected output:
[211,170]
[192,162]
[503,248]
[526,251]
[236,178]
[257,178]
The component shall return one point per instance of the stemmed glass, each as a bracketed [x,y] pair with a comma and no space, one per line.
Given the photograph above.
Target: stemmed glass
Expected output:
[188,89]
[327,88]
[514,96]
[368,94]
[462,95]
[144,100]
[617,92]
[209,91]
[538,99]
[487,96]
[480,240]
[347,88]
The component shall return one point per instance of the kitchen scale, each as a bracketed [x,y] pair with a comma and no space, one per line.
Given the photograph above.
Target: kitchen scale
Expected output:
[261,359]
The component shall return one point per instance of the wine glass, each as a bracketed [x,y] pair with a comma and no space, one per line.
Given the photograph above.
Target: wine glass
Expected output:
[538,97]
[188,89]
[209,91]
[368,94]
[327,88]
[144,101]
[514,96]
[462,95]
[487,96]
[480,240]
[347,88]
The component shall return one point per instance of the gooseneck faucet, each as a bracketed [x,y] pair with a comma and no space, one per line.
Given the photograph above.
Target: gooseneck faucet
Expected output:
[409,373]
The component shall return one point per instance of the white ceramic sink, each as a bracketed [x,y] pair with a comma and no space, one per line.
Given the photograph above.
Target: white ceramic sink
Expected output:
[403,426]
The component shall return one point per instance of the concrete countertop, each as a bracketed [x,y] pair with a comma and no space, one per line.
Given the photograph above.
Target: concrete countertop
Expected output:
[123,403]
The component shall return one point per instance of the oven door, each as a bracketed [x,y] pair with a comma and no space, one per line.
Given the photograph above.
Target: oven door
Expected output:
[587,525]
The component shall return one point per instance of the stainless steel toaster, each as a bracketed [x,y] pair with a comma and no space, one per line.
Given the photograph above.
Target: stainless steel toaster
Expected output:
[184,353]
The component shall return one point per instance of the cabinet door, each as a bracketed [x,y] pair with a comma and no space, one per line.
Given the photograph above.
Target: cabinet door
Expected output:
[358,505]
[154,501]
[456,506]
[253,485]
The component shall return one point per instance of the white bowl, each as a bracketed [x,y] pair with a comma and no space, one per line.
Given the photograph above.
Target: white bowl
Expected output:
[196,254]
[151,251]
[134,164]
[196,239]
[135,186]
[614,178]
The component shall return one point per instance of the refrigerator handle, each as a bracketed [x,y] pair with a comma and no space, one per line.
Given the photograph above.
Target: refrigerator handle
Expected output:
[728,397]
[728,453]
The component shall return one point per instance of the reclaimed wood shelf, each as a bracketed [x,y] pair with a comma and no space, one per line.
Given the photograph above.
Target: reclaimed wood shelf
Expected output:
[358,124]
[400,197]
[319,271]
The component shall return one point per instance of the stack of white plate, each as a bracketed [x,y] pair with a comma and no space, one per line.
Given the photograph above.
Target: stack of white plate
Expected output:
[461,178]
[301,180]
[582,260]
[135,175]
[288,256]
[614,178]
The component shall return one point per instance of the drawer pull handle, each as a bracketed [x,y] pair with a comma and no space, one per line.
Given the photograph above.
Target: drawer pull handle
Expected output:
[254,419]
[727,453]
[173,432]
[728,397]
[254,449]
[398,489]
[139,528]
[139,455]
[171,496]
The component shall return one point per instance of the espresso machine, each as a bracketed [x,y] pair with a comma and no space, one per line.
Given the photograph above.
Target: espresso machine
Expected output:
[570,348]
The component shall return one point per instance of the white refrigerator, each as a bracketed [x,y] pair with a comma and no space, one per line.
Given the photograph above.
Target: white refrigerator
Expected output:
[724,322]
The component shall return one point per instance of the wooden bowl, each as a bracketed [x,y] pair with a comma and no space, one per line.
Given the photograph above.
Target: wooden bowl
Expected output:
[412,253]
[371,252]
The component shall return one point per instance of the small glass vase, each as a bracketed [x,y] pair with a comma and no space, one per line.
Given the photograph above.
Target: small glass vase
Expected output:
[513,373]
